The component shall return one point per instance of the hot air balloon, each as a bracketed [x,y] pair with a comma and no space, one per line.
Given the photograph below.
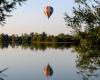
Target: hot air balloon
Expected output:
[48,10]
[48,71]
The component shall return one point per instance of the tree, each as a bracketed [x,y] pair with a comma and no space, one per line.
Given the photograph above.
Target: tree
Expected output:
[85,15]
[88,62]
[6,7]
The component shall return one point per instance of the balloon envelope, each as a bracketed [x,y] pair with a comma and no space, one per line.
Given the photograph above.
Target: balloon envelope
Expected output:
[48,10]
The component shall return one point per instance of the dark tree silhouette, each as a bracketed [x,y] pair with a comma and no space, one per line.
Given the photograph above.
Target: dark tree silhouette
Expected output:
[6,7]
[85,15]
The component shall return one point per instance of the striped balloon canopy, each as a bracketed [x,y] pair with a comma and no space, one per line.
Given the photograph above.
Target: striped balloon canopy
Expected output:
[48,10]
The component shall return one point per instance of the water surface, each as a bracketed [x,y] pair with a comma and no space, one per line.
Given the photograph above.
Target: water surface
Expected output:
[27,64]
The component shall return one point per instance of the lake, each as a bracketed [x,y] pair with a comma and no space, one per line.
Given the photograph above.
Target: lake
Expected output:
[18,63]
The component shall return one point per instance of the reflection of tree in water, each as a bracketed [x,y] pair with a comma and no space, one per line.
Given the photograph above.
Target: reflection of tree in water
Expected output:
[88,62]
[44,46]
[36,46]
[4,45]
[1,74]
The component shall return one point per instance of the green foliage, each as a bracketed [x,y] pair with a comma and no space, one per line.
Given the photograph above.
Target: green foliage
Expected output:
[37,41]
[88,61]
[86,43]
[6,7]
[85,16]
[36,38]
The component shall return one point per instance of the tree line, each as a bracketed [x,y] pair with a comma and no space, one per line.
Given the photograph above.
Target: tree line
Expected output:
[37,38]
[37,41]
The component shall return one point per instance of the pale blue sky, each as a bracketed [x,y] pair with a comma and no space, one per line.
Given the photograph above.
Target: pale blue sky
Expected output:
[30,18]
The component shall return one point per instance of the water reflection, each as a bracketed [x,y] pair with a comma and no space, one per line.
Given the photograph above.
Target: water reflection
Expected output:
[48,71]
[37,46]
[2,75]
[88,62]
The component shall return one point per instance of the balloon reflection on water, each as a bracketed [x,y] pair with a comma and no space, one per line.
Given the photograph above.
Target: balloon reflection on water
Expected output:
[48,71]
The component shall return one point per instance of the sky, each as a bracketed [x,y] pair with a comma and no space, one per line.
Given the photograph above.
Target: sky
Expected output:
[30,17]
